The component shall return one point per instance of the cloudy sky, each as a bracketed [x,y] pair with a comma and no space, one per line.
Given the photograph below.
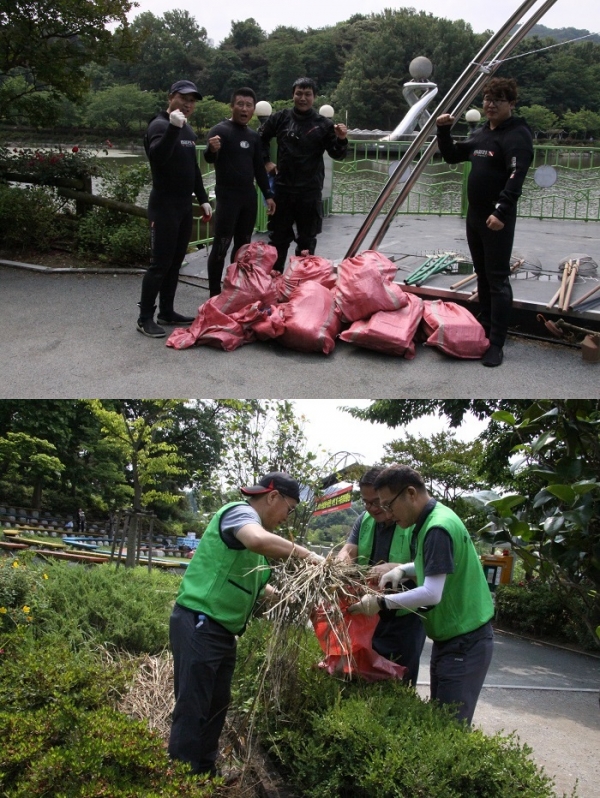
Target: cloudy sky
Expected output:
[217,17]
[327,427]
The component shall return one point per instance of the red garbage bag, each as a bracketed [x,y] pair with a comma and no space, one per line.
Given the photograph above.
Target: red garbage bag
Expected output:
[453,329]
[389,331]
[365,285]
[348,649]
[312,320]
[302,268]
[248,279]
[212,327]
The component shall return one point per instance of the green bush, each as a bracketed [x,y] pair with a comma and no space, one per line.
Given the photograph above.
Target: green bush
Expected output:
[114,237]
[28,217]
[60,734]
[538,609]
[335,738]
[22,594]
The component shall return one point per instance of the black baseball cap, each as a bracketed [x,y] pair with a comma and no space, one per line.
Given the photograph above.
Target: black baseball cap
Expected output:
[185,87]
[276,480]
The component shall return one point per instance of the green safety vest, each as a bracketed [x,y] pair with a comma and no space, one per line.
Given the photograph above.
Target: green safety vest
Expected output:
[399,549]
[466,602]
[221,582]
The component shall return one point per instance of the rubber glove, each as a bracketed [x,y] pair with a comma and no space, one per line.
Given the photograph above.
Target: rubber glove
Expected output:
[395,576]
[206,211]
[368,605]
[177,118]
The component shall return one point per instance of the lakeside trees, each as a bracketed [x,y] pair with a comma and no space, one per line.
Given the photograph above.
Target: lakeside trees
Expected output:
[360,64]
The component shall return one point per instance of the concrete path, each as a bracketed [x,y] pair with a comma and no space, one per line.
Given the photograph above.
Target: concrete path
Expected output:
[74,336]
[548,696]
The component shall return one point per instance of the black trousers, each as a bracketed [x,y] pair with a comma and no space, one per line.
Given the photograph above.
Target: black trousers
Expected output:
[204,654]
[490,252]
[170,231]
[401,639]
[458,669]
[306,213]
[235,217]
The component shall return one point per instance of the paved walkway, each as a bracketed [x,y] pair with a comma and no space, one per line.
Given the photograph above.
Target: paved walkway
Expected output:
[73,335]
[548,696]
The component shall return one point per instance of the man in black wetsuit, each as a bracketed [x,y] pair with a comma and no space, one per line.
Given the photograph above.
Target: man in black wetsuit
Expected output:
[170,144]
[236,152]
[500,154]
[302,138]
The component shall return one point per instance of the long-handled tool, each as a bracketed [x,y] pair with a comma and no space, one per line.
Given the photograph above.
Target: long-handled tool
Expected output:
[587,295]
[559,295]
[515,267]
[571,281]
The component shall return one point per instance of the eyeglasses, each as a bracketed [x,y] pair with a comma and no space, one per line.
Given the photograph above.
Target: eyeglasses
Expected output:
[494,101]
[289,506]
[375,503]
[387,506]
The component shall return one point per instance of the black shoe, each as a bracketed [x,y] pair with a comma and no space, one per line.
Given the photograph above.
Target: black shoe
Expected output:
[493,356]
[150,328]
[174,318]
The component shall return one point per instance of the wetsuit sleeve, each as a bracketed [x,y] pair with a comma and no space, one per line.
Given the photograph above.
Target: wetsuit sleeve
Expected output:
[267,132]
[260,173]
[199,190]
[518,155]
[450,150]
[163,137]
[211,157]
[336,147]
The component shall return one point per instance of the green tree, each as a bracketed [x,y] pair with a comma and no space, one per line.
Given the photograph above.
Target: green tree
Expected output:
[583,121]
[554,522]
[29,460]
[49,42]
[124,108]
[539,118]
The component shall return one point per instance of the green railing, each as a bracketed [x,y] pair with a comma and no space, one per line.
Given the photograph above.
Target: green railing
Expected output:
[441,189]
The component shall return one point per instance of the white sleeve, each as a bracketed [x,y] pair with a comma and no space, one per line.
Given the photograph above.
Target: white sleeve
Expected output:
[428,595]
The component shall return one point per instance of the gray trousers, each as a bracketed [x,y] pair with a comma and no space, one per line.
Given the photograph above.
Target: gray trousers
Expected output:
[204,654]
[458,669]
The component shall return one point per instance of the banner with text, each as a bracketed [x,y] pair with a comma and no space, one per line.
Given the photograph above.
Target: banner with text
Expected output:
[337,499]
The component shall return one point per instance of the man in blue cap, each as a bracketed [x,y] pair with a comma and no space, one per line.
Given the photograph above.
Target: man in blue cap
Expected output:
[170,144]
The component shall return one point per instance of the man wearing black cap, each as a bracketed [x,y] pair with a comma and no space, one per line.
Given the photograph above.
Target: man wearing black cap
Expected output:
[170,144]
[226,575]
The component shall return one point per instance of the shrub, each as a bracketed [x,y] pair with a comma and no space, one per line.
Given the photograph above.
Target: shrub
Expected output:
[335,738]
[538,609]
[28,217]
[21,592]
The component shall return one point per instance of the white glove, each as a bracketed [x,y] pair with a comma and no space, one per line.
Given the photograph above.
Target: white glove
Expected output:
[368,605]
[177,118]
[395,576]
[206,210]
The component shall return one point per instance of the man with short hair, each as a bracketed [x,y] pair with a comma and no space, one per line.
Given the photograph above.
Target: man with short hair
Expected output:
[500,153]
[302,138]
[228,572]
[236,152]
[452,589]
[376,540]
[170,144]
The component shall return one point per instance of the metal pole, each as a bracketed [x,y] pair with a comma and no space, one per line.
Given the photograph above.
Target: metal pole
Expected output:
[453,94]
[464,102]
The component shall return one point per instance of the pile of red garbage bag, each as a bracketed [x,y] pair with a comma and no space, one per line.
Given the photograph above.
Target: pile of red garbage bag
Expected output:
[308,306]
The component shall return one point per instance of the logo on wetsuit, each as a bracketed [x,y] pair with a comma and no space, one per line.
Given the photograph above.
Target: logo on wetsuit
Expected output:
[244,144]
[187,143]
[483,153]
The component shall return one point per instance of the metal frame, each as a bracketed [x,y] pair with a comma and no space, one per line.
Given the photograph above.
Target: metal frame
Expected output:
[459,93]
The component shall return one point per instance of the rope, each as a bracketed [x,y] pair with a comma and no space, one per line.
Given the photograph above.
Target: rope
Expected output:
[488,66]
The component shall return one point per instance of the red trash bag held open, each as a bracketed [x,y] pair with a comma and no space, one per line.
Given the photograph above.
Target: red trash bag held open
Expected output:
[359,658]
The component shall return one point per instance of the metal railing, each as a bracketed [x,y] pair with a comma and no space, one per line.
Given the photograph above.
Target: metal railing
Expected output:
[441,188]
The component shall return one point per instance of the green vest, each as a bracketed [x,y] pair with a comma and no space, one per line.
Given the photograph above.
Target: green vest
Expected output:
[221,582]
[399,550]
[466,601]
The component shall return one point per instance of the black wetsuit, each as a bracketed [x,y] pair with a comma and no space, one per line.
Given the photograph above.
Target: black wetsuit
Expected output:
[176,176]
[302,138]
[238,163]
[499,161]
